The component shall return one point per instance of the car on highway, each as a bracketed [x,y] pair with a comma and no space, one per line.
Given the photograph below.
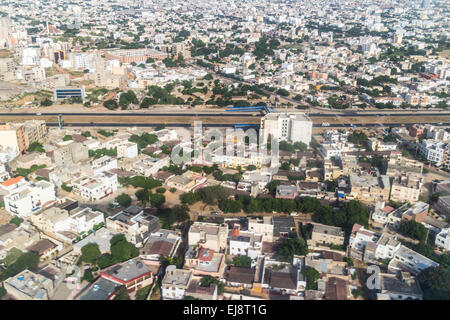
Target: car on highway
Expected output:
[325,124]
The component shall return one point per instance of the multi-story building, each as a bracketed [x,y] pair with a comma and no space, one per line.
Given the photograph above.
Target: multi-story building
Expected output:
[97,187]
[69,92]
[326,235]
[294,127]
[370,189]
[28,285]
[245,243]
[135,223]
[443,239]
[35,131]
[433,151]
[408,260]
[387,246]
[406,188]
[13,136]
[83,220]
[209,235]
[132,274]
[175,283]
[262,226]
[25,197]
[362,244]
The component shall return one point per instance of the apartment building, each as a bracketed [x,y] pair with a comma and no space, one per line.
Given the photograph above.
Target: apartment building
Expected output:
[399,165]
[406,188]
[293,127]
[25,197]
[28,285]
[186,182]
[83,220]
[408,260]
[71,153]
[175,283]
[208,235]
[245,243]
[35,131]
[262,226]
[326,235]
[132,274]
[51,221]
[443,239]
[362,244]
[433,151]
[205,262]
[135,223]
[368,188]
[97,187]
[13,136]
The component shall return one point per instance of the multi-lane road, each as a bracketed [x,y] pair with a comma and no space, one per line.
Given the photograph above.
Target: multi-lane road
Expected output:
[225,119]
[227,114]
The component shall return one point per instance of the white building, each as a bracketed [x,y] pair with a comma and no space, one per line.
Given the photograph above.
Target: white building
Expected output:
[432,151]
[406,259]
[262,226]
[293,127]
[175,283]
[329,150]
[443,239]
[127,150]
[387,246]
[24,197]
[85,219]
[103,164]
[97,187]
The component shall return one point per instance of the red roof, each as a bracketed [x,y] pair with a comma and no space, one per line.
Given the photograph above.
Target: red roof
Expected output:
[356,227]
[205,254]
[388,209]
[12,181]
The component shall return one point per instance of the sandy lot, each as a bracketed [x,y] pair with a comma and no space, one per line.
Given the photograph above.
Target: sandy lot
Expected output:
[5,217]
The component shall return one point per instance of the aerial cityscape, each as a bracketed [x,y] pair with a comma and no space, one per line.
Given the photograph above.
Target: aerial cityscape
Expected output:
[224,150]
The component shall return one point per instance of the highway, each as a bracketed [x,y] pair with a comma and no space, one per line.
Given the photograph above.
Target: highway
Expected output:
[220,114]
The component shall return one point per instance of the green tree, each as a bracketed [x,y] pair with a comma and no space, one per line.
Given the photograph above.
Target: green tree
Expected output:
[111,104]
[414,230]
[90,253]
[242,261]
[230,205]
[15,220]
[311,275]
[435,283]
[105,260]
[290,247]
[206,281]
[124,200]
[157,200]
[46,102]
[36,147]
[27,260]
